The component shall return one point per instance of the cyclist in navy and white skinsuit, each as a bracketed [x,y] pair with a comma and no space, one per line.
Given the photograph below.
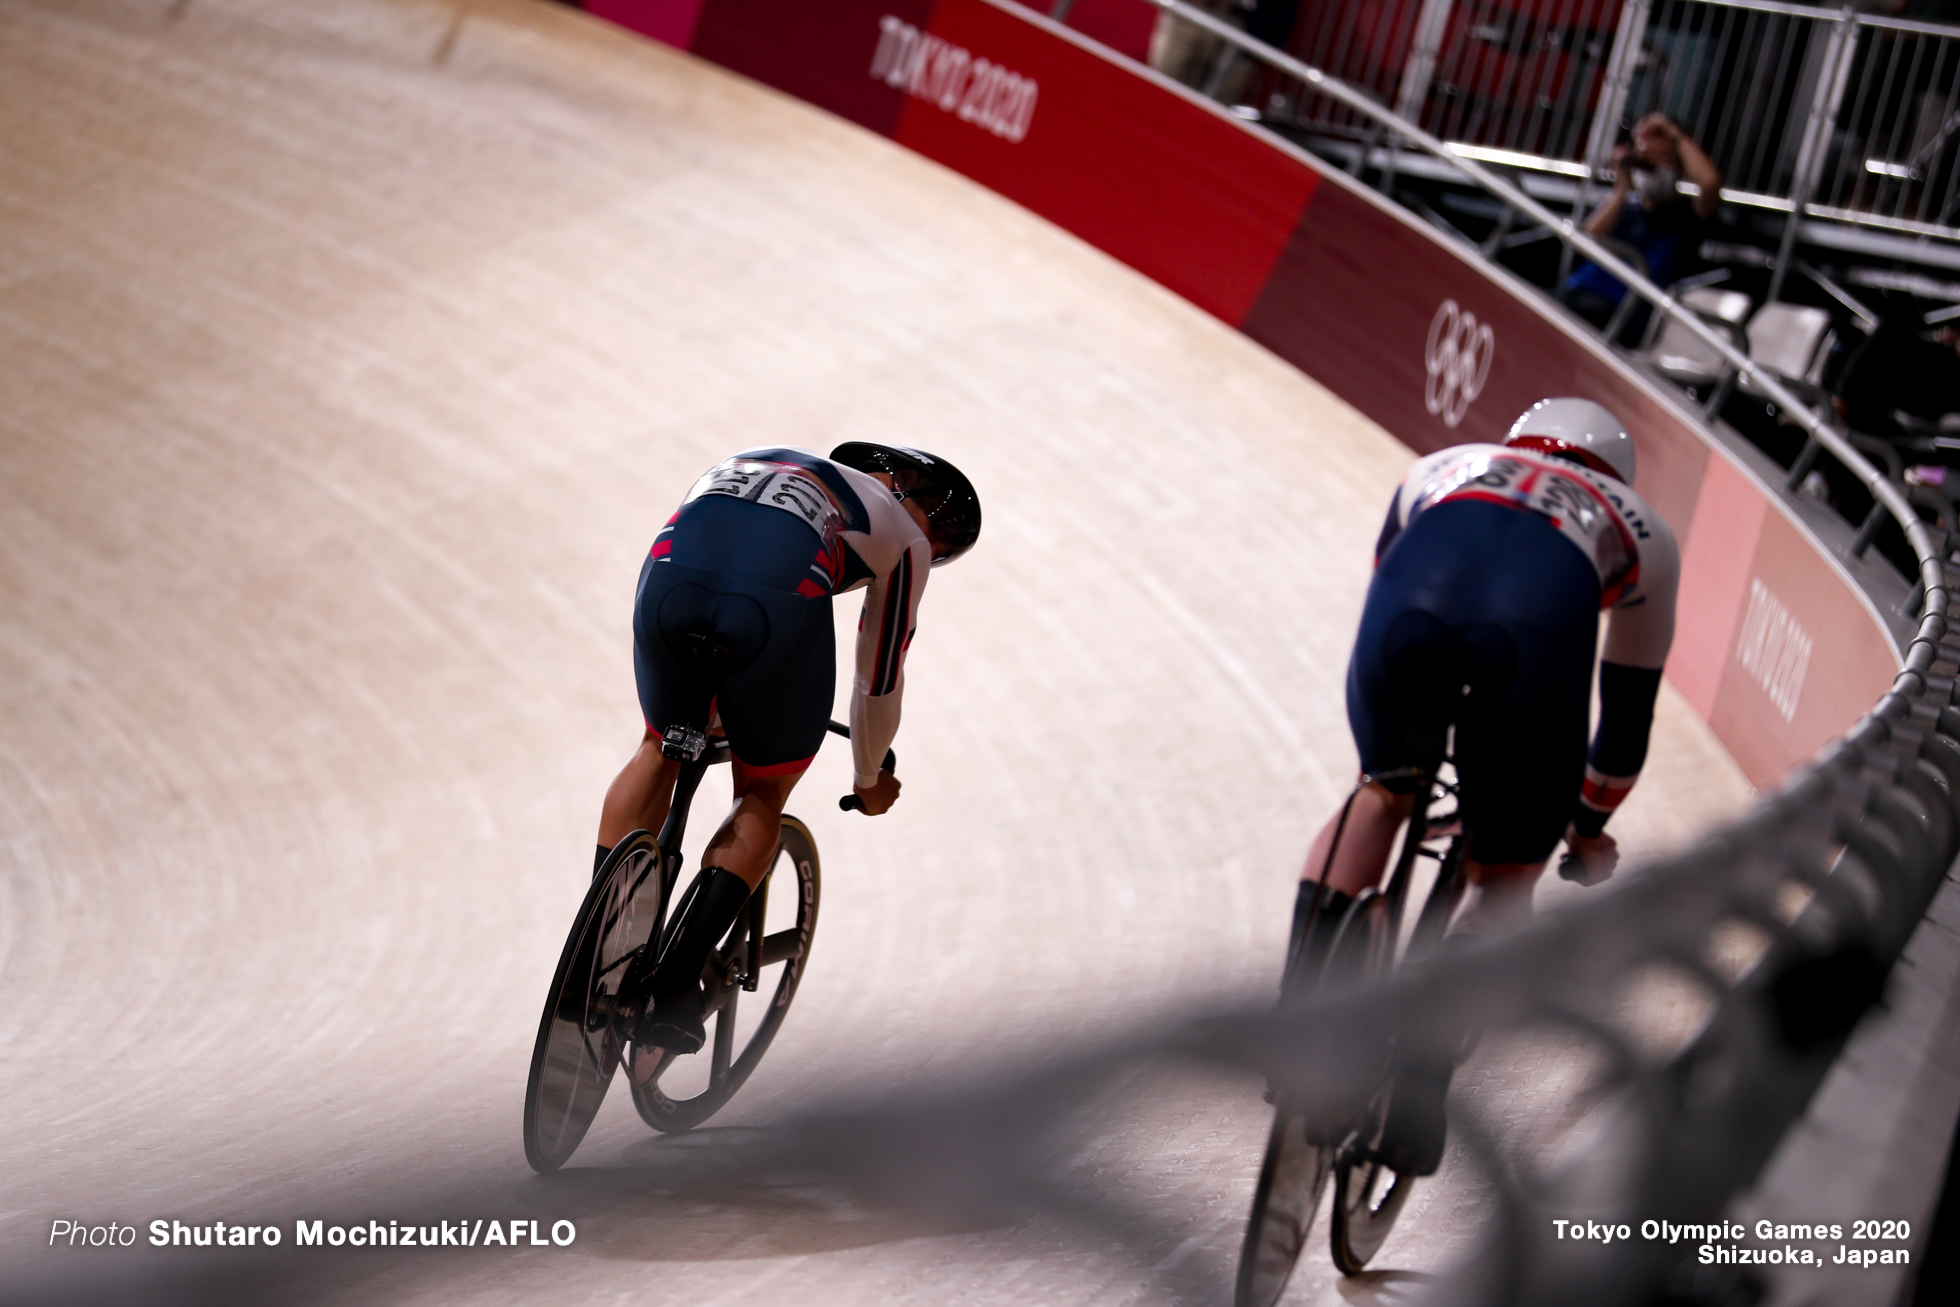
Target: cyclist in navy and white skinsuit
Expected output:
[1491,572]
[732,624]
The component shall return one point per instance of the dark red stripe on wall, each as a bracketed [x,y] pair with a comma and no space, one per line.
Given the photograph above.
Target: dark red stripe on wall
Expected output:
[671,21]
[1122,25]
[817,50]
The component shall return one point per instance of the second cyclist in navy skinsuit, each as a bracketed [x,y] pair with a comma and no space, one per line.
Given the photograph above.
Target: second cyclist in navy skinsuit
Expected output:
[1483,616]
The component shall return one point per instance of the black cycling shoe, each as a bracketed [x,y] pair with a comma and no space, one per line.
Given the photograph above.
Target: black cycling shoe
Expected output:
[1417,1129]
[674,1022]
[676,1010]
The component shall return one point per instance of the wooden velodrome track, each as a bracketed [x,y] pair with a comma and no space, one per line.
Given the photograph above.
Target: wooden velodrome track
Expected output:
[344,388]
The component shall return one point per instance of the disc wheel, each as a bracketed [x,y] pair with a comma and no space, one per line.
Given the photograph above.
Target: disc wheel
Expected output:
[578,1045]
[747,996]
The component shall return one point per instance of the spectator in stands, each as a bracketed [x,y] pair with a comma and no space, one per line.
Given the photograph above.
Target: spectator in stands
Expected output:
[1648,211]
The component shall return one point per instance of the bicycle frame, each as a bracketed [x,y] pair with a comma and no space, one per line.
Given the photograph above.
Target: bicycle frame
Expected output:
[1443,897]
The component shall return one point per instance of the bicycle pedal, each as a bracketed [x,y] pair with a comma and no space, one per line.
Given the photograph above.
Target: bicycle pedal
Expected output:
[683,743]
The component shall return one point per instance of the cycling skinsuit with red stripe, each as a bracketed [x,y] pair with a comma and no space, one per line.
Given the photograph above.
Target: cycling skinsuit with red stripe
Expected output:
[733,610]
[1491,571]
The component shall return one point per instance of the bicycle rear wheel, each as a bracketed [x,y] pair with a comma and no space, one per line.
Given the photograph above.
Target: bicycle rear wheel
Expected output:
[1301,1155]
[578,1045]
[765,953]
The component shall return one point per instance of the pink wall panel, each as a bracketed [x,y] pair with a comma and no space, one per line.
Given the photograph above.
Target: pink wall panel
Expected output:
[1718,549]
[1805,661]
[1437,349]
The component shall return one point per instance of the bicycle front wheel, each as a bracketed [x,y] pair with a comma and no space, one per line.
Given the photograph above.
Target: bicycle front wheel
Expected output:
[1367,1199]
[1301,1155]
[578,1045]
[764,954]
[1368,1196]
[1291,1180]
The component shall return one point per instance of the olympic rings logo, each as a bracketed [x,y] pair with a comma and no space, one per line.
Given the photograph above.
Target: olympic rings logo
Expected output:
[1458,359]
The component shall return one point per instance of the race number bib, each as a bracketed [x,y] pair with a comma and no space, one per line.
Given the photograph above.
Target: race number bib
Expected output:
[776,485]
[1580,512]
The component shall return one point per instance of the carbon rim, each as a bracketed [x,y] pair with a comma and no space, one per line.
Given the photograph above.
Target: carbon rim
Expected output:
[679,1091]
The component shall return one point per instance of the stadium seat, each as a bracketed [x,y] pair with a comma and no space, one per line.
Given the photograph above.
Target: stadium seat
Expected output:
[1683,357]
[1792,341]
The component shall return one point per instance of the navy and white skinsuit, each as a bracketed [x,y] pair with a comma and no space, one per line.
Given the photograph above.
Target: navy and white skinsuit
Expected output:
[745,571]
[1491,571]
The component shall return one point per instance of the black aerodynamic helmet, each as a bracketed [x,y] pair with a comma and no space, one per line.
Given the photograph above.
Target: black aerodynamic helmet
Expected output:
[936,485]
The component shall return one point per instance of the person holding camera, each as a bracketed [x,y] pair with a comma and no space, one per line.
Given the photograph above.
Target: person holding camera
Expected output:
[1648,210]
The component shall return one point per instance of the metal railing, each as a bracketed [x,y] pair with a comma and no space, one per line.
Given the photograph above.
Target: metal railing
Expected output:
[1827,112]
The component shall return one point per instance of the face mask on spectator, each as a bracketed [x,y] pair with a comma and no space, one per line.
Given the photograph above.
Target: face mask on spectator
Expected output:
[1655,186]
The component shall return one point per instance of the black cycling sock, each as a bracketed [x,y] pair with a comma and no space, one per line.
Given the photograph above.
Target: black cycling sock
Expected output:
[1314,924]
[599,859]
[706,911]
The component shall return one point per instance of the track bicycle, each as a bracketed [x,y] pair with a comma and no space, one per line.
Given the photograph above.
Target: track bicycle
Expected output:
[585,1035]
[1303,1154]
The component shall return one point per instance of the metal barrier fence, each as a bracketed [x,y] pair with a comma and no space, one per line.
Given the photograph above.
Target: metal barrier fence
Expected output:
[1783,926]
[1846,116]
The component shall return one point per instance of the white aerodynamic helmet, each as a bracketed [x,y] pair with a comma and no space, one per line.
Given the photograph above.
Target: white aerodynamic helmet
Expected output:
[1580,429]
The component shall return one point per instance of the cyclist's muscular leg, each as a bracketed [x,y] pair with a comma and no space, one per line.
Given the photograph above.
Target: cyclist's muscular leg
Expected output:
[746,842]
[1367,837]
[640,795]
